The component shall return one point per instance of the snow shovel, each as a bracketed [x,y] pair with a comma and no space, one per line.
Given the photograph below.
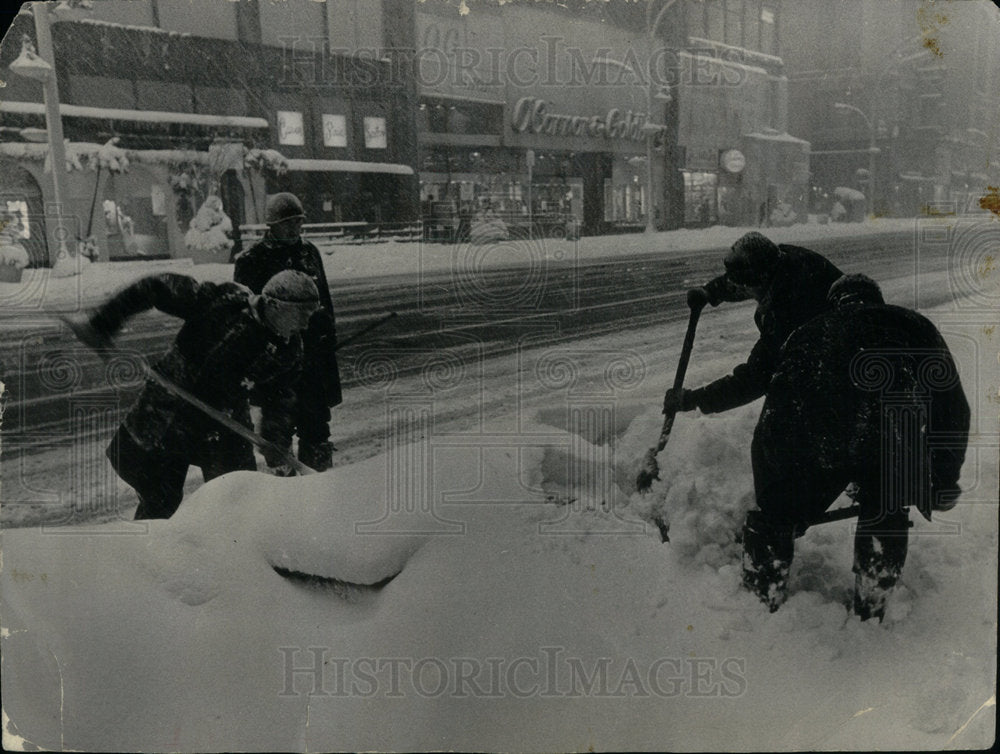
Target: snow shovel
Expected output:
[650,470]
[106,348]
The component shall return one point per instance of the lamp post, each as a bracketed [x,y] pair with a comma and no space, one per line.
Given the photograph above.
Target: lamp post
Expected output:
[663,94]
[872,151]
[39,66]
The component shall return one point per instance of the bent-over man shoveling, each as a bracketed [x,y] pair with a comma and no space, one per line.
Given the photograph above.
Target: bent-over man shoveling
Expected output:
[195,407]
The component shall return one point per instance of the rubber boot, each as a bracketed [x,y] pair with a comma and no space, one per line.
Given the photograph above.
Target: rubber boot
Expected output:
[878,563]
[767,559]
[316,455]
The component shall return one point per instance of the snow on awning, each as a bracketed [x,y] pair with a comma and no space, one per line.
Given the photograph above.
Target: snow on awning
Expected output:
[777,136]
[348,166]
[139,116]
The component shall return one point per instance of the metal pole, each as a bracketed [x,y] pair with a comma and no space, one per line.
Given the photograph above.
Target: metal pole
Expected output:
[650,227]
[53,120]
[871,172]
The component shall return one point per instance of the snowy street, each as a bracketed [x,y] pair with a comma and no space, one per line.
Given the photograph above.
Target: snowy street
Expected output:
[530,603]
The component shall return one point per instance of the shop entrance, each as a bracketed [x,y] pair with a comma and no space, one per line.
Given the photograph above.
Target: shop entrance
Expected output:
[21,199]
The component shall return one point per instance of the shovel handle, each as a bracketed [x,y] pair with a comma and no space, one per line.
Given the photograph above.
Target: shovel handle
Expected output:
[682,365]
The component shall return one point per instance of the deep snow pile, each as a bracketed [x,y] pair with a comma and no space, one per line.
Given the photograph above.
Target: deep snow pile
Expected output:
[512,622]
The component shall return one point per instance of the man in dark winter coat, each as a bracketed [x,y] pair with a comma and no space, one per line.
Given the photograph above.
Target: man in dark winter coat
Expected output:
[867,393]
[231,341]
[790,285]
[318,390]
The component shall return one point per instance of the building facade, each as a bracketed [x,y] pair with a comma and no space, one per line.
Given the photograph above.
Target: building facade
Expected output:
[235,99]
[908,90]
[606,112]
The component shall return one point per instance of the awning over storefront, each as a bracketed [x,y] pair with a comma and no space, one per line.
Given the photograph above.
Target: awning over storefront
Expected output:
[348,166]
[777,136]
[137,116]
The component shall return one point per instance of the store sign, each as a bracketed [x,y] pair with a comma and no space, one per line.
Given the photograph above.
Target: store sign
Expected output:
[290,128]
[530,115]
[701,158]
[733,160]
[334,130]
[375,137]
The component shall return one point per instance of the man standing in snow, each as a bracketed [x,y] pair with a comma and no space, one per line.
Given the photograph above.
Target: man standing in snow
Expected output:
[789,284]
[866,393]
[318,389]
[231,341]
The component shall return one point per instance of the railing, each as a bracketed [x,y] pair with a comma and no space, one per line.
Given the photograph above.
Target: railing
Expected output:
[455,227]
[347,233]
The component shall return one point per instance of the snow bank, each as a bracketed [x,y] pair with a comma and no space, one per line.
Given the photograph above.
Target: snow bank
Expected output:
[514,620]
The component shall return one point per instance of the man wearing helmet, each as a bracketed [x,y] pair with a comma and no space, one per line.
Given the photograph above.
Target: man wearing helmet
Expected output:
[231,342]
[318,389]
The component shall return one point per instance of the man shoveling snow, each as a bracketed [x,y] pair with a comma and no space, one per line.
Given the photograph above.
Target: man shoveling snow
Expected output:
[864,393]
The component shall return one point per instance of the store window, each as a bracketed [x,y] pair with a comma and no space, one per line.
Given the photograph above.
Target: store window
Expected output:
[334,130]
[700,203]
[101,91]
[291,129]
[216,100]
[163,95]
[455,117]
[134,216]
[375,133]
[624,202]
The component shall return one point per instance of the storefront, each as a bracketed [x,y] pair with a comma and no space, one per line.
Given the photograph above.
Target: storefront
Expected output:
[524,116]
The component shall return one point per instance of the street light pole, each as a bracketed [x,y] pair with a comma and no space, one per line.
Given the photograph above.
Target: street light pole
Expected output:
[872,151]
[53,120]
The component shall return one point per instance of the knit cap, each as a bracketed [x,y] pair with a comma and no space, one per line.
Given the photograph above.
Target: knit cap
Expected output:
[751,259]
[293,287]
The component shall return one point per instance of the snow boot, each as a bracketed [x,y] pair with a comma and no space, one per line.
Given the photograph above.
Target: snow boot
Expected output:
[316,455]
[767,559]
[878,563]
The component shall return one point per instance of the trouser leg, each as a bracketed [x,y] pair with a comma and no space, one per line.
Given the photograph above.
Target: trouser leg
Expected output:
[768,547]
[235,455]
[788,497]
[313,429]
[880,545]
[158,478]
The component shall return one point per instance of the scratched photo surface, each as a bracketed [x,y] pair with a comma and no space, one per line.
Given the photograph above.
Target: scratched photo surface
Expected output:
[499,375]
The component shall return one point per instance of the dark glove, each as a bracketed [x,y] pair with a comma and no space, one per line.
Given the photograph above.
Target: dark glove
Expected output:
[678,400]
[697,298]
[282,469]
[275,459]
[87,332]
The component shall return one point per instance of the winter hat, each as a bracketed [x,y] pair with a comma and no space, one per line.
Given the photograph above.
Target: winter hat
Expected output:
[854,290]
[282,206]
[751,259]
[292,287]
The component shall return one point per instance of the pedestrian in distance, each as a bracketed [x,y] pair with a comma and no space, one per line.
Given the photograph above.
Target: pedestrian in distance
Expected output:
[318,389]
[865,394]
[232,342]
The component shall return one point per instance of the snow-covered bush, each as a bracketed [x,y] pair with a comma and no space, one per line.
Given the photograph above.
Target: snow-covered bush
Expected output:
[263,160]
[111,157]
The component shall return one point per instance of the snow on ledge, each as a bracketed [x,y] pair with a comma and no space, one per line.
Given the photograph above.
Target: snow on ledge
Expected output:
[348,166]
[142,116]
